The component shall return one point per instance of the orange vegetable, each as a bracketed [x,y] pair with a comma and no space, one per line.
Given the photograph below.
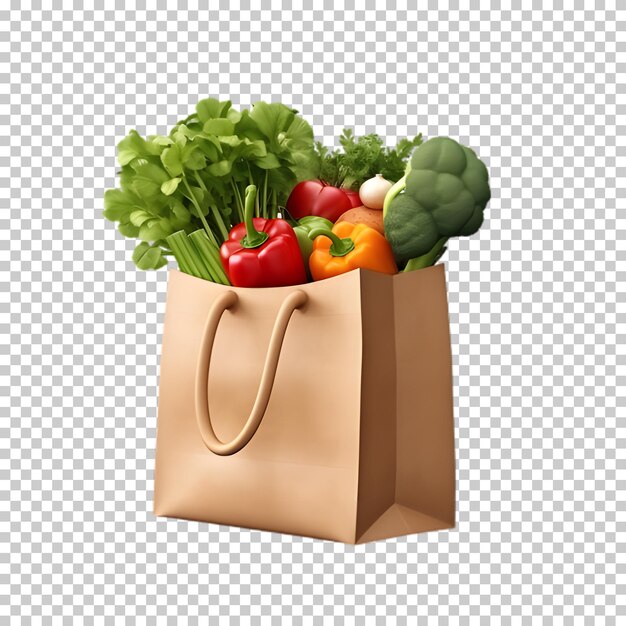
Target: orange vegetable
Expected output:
[362,215]
[348,247]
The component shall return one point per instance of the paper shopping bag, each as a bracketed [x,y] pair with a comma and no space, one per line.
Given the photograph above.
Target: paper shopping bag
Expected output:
[322,409]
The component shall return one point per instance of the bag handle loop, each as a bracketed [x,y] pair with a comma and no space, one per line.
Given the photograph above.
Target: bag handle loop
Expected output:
[225,301]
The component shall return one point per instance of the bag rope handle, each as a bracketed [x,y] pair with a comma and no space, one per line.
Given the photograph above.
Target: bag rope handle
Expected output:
[225,301]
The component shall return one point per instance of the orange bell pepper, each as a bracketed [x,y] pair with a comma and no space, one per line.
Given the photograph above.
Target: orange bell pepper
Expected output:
[348,247]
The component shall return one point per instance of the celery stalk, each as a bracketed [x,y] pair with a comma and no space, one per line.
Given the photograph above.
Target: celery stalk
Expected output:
[186,255]
[209,253]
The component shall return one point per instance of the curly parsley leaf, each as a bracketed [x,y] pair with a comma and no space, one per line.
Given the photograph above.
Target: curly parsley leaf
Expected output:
[361,158]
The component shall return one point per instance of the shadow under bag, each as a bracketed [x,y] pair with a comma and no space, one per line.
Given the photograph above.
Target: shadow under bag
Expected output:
[323,409]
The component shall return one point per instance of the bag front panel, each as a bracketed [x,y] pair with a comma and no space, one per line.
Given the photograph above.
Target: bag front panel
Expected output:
[299,472]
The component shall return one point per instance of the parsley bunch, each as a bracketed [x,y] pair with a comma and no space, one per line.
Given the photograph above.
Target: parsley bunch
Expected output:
[194,178]
[362,158]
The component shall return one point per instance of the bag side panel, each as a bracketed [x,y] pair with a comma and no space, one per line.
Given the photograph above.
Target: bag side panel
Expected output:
[377,455]
[425,419]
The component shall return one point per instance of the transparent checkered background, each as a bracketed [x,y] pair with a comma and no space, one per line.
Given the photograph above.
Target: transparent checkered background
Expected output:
[533,311]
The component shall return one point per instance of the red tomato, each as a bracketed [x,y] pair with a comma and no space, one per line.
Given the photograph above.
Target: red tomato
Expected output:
[315,197]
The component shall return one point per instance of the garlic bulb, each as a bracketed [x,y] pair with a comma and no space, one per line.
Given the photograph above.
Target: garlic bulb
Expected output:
[373,191]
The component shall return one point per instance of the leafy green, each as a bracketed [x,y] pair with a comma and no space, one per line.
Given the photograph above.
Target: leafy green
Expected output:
[362,158]
[170,186]
[133,147]
[147,257]
[196,175]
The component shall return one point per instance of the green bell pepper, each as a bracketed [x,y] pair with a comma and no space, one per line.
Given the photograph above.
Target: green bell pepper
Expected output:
[302,229]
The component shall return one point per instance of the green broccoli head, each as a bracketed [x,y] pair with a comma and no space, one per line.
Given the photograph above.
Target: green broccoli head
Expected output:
[446,191]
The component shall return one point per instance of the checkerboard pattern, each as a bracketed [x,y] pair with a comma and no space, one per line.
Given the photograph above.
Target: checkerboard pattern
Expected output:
[534,305]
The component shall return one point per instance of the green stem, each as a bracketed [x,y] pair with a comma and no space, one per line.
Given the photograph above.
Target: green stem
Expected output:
[251,184]
[220,222]
[396,188]
[216,214]
[265,213]
[339,247]
[253,238]
[426,260]
[343,172]
[209,232]
[238,201]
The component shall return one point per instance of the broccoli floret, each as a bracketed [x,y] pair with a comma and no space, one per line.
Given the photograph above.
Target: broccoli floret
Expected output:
[442,195]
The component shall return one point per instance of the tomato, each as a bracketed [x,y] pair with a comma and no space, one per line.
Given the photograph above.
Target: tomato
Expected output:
[315,197]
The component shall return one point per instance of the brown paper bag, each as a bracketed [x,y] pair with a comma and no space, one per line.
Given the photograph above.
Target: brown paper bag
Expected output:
[327,411]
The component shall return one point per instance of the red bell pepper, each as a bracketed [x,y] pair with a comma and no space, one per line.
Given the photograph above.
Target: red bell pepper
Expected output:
[262,252]
[315,197]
